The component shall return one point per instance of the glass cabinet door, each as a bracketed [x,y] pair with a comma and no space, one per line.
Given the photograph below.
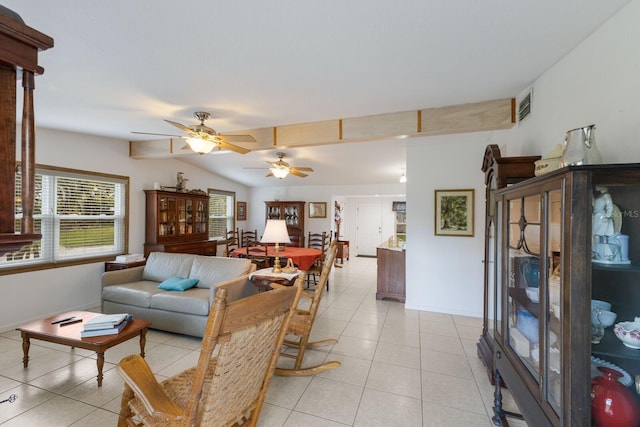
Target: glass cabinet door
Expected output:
[495,304]
[167,216]
[523,309]
[182,216]
[189,222]
[553,347]
[291,215]
[491,251]
[201,217]
[533,301]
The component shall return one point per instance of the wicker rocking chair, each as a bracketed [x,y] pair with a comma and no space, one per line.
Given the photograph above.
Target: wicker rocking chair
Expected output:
[228,385]
[301,323]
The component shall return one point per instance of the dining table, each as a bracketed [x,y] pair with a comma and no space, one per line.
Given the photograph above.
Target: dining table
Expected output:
[303,258]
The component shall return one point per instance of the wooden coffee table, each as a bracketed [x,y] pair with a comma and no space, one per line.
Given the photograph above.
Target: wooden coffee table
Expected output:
[70,335]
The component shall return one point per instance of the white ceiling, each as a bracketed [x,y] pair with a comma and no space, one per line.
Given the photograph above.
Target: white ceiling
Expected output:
[121,65]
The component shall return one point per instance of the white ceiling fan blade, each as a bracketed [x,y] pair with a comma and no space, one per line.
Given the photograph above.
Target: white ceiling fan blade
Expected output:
[225,146]
[157,134]
[179,126]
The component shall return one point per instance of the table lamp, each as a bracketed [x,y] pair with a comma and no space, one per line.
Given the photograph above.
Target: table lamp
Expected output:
[276,232]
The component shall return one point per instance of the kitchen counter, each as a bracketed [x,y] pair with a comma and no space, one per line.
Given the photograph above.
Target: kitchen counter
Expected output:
[391,272]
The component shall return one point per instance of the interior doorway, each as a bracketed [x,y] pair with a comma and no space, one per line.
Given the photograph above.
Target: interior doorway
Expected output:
[368,228]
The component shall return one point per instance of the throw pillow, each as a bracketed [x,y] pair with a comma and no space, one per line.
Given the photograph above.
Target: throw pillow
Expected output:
[177,284]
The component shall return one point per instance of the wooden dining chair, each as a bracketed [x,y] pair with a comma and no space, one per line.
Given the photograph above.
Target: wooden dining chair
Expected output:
[296,240]
[232,241]
[257,253]
[227,386]
[248,236]
[301,324]
[317,241]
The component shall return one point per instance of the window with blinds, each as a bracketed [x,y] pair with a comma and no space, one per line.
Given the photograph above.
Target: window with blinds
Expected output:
[221,213]
[79,214]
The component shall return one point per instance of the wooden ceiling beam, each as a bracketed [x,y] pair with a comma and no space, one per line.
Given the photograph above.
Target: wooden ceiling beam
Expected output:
[475,117]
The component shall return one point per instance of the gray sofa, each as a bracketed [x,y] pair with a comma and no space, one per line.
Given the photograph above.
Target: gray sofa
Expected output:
[135,290]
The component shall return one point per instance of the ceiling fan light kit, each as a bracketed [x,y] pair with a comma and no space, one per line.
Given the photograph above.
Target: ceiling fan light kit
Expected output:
[279,172]
[201,146]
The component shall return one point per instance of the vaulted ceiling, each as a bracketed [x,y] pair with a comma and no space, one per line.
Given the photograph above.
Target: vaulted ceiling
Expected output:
[121,66]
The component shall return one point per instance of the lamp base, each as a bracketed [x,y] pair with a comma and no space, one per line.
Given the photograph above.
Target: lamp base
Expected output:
[276,266]
[276,262]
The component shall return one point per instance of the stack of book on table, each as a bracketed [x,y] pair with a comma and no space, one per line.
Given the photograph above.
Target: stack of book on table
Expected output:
[106,324]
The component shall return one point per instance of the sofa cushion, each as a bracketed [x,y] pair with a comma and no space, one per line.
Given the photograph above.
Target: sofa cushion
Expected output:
[135,293]
[213,270]
[162,265]
[177,284]
[192,301]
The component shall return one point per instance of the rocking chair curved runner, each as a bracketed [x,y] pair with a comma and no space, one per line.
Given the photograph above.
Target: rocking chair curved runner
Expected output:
[301,323]
[228,385]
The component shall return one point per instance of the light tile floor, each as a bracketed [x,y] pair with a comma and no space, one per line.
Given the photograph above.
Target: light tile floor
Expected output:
[399,368]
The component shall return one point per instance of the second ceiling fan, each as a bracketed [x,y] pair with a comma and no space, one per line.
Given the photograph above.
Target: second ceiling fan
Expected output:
[281,169]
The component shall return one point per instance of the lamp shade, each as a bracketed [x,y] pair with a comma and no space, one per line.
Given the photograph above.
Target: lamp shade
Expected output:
[275,232]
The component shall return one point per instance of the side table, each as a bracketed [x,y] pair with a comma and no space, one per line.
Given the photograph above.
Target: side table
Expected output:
[113,265]
[263,277]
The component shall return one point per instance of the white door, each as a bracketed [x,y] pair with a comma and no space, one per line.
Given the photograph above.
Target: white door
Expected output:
[368,228]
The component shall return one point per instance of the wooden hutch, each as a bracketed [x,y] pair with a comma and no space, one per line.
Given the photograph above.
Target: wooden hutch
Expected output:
[293,214]
[548,271]
[498,173]
[178,222]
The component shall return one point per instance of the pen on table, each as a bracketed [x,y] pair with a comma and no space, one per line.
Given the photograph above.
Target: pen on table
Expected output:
[70,322]
[66,319]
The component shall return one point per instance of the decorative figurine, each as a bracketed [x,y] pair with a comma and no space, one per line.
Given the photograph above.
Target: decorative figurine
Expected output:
[181,183]
[609,246]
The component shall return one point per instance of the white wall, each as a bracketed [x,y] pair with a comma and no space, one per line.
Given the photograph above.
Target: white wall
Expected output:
[444,273]
[597,83]
[29,296]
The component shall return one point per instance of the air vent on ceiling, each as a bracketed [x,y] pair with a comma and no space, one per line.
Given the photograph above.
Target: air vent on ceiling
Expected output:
[524,107]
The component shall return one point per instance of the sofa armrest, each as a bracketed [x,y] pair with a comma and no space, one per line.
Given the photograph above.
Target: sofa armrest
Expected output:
[117,277]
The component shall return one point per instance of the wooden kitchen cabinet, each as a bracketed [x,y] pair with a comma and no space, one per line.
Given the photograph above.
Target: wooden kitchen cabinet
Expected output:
[391,273]
[178,222]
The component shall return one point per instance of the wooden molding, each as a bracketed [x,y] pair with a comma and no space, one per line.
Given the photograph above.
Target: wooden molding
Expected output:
[475,117]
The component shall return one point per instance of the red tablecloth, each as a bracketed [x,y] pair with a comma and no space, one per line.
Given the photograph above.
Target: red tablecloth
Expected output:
[302,257]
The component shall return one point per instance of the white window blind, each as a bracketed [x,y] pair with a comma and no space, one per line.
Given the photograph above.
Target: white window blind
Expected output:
[79,214]
[221,213]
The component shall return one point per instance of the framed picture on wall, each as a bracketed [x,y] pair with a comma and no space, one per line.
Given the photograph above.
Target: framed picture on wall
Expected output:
[241,211]
[454,213]
[317,210]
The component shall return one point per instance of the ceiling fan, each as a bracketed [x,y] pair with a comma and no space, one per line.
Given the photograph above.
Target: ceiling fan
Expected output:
[203,139]
[280,168]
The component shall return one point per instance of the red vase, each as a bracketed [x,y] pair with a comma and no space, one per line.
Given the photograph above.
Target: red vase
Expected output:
[612,404]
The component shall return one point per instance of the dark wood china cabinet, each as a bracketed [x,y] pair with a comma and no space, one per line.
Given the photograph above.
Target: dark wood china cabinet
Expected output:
[552,260]
[293,214]
[178,222]
[498,172]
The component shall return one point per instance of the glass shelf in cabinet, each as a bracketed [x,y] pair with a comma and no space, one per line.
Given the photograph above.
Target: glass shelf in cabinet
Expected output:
[611,346]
